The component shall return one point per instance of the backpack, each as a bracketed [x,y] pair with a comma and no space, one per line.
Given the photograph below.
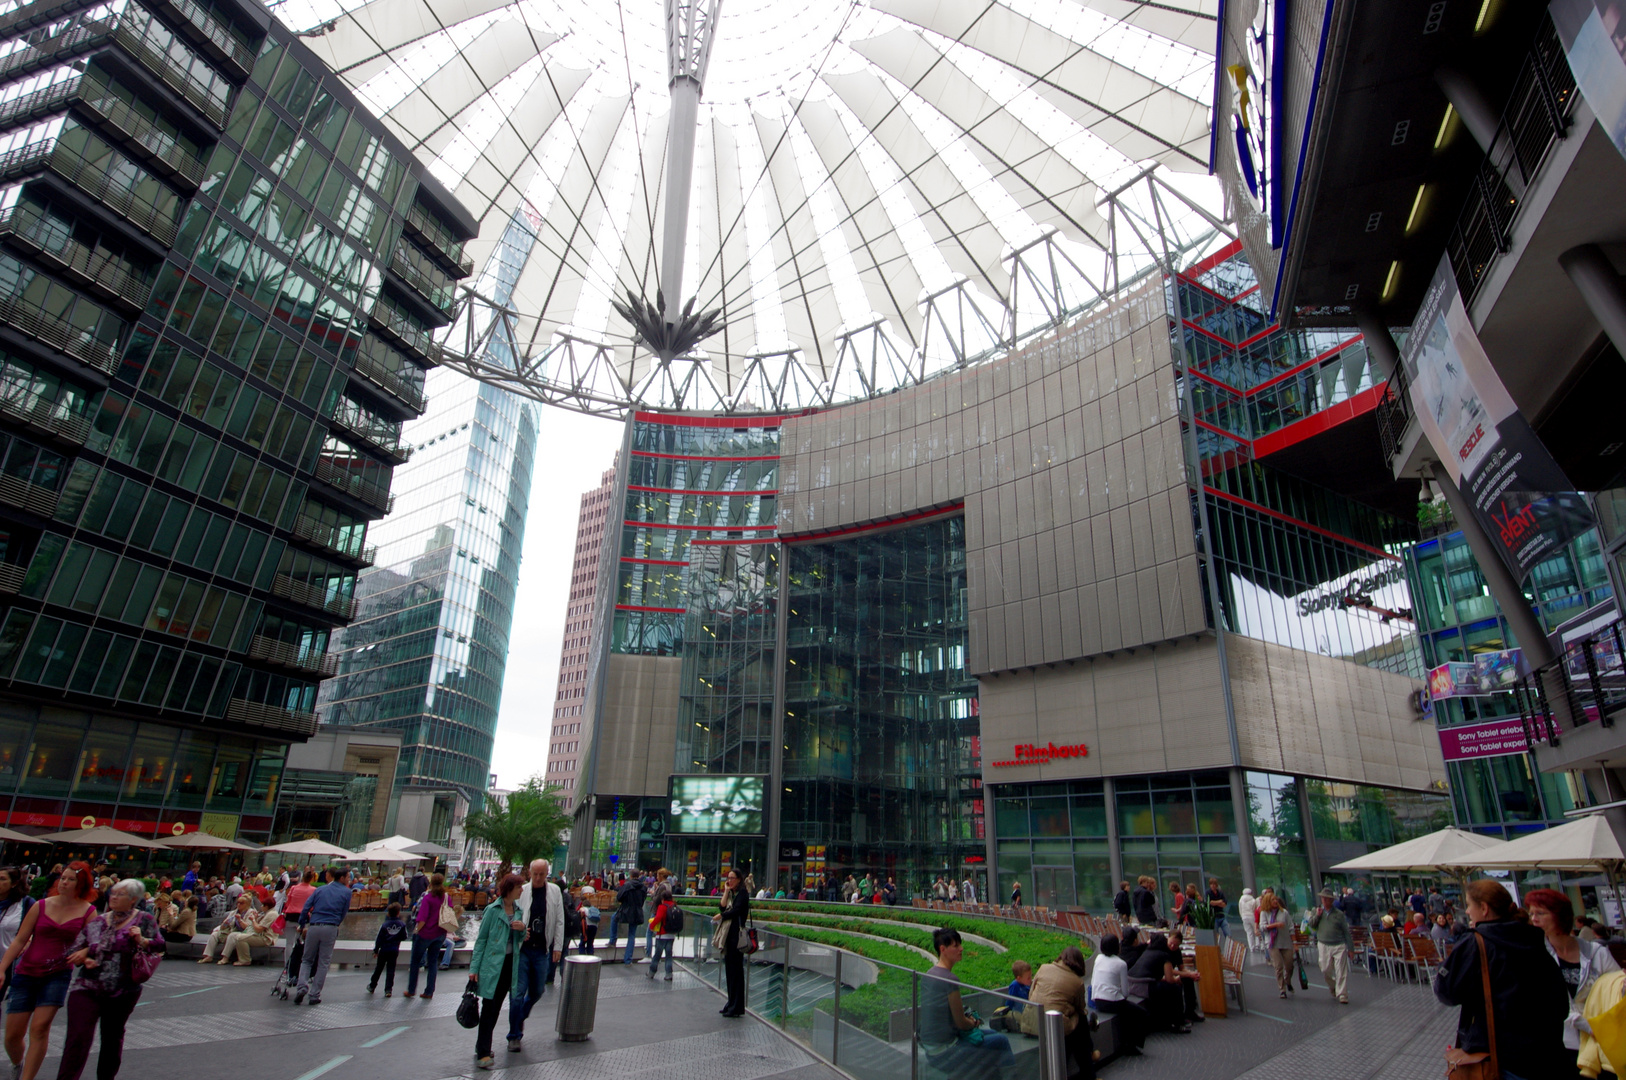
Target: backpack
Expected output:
[673,924]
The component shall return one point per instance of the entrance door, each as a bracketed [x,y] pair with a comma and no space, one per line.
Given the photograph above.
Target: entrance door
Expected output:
[1053,887]
[1185,875]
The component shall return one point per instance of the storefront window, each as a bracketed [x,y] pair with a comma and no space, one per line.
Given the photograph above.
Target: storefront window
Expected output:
[53,760]
[105,759]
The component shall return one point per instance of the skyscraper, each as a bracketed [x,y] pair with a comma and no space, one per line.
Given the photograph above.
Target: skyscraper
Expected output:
[218,276]
[569,711]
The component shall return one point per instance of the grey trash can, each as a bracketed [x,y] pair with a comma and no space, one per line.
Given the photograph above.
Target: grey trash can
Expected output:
[578,998]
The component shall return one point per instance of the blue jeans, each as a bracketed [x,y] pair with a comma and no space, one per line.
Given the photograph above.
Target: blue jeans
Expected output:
[615,921]
[662,945]
[424,954]
[632,941]
[531,978]
[1222,928]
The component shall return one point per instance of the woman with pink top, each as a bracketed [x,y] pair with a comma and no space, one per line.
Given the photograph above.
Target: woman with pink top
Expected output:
[39,983]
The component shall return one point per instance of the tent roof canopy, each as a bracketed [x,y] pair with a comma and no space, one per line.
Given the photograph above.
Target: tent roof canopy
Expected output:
[1449,847]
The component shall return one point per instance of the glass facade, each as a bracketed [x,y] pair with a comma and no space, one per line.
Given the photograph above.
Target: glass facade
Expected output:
[1458,619]
[197,233]
[882,760]
[426,654]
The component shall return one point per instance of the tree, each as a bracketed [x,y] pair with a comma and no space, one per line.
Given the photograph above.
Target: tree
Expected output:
[526,824]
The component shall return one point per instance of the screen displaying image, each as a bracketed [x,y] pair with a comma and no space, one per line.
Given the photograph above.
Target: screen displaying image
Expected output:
[730,805]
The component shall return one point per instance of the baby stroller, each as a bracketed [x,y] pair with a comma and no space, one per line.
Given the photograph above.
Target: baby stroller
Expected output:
[288,978]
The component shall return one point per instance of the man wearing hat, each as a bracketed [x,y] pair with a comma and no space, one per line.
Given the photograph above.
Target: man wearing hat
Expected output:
[1333,942]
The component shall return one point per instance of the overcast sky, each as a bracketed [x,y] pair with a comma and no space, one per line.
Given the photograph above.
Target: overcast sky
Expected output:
[572,452]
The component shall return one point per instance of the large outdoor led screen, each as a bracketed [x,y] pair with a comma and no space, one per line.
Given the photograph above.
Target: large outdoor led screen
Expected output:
[717,805]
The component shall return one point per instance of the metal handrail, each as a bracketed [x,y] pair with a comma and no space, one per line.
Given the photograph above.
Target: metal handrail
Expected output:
[270,716]
[439,239]
[389,381]
[1592,695]
[373,494]
[440,295]
[326,537]
[1394,413]
[411,337]
[1537,116]
[26,15]
[53,330]
[308,595]
[12,577]
[155,140]
[382,436]
[316,661]
[29,496]
[204,21]
[99,185]
[92,265]
[44,414]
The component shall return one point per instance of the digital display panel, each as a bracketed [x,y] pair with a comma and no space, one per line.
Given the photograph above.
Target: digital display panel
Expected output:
[717,805]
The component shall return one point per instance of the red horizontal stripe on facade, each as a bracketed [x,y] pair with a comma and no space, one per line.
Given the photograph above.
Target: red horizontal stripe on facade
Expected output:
[1291,520]
[703,457]
[692,491]
[1325,420]
[654,562]
[1202,266]
[723,543]
[874,526]
[657,610]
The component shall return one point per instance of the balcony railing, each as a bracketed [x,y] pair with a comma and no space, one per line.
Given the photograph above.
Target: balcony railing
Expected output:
[331,540]
[398,329]
[1394,413]
[439,239]
[103,187]
[28,228]
[269,716]
[379,435]
[23,16]
[372,494]
[310,596]
[45,415]
[28,496]
[225,44]
[156,146]
[391,382]
[1589,676]
[315,661]
[439,294]
[1536,118]
[12,577]
[51,329]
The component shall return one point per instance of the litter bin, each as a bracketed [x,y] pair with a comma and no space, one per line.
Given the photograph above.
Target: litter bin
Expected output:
[578,998]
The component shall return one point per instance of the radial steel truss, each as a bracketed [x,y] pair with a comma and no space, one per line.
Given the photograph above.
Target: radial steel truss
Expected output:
[1149,225]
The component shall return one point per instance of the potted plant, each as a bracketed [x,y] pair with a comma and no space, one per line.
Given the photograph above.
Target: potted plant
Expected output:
[1202,924]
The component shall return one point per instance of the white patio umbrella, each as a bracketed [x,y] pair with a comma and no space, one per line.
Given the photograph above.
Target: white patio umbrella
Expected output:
[1450,851]
[383,855]
[203,841]
[311,847]
[1587,843]
[101,836]
[13,834]
[392,843]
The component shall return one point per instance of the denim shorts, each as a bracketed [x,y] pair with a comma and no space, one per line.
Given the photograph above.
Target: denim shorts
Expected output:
[30,992]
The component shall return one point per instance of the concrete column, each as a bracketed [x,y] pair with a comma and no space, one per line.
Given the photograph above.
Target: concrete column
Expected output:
[1244,829]
[1471,104]
[1115,855]
[1601,287]
[1380,344]
[990,844]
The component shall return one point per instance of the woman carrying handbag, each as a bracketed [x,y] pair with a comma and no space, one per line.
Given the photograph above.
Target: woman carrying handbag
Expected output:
[493,970]
[734,909]
[1512,995]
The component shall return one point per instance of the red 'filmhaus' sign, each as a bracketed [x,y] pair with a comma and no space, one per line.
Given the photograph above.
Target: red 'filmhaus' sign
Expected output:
[1029,754]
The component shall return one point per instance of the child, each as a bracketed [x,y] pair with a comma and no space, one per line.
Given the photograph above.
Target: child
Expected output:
[1020,985]
[387,948]
[590,917]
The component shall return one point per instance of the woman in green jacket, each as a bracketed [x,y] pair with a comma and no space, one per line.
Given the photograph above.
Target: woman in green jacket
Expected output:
[492,969]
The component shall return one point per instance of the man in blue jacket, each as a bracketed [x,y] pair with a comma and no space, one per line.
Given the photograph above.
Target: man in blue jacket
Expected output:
[319,923]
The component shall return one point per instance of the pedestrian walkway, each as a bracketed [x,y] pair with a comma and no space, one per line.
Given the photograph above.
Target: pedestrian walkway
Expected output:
[643,1027]
[1388,1031]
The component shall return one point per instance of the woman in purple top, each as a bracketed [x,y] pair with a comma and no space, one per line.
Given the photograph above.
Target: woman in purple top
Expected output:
[39,983]
[104,990]
[428,938]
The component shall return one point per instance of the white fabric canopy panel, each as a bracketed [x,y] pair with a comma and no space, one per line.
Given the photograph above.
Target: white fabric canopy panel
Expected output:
[882,189]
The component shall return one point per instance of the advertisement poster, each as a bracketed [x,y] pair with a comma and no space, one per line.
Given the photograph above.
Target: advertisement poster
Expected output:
[1494,738]
[1518,493]
[1593,632]
[1488,673]
[1594,37]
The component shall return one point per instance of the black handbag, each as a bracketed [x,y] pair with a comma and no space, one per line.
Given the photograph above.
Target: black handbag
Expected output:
[468,1010]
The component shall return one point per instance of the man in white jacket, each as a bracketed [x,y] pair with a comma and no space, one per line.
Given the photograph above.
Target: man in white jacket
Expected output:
[1247,907]
[541,913]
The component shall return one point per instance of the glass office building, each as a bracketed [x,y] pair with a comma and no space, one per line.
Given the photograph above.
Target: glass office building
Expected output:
[219,274]
[426,654]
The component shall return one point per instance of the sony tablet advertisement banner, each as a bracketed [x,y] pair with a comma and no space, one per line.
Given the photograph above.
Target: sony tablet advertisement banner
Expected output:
[1594,37]
[1518,493]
